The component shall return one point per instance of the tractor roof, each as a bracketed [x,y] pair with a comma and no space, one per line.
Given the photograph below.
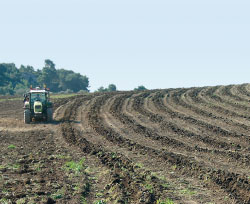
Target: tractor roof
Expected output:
[38,90]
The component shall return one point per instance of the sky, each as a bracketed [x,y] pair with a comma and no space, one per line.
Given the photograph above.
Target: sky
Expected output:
[155,43]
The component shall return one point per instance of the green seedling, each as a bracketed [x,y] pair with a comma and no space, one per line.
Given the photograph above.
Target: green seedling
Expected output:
[59,194]
[2,167]
[148,177]
[5,192]
[76,188]
[187,191]
[75,166]
[174,167]
[163,178]
[139,165]
[113,155]
[14,166]
[166,201]
[5,201]
[21,201]
[166,185]
[149,187]
[83,200]
[99,195]
[11,146]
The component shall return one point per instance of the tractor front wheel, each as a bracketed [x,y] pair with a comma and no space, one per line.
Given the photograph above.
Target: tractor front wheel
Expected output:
[49,115]
[27,116]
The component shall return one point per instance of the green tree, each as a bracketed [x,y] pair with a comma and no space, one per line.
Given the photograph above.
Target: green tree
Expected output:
[76,82]
[49,64]
[9,78]
[13,75]
[140,88]
[29,76]
[62,74]
[112,87]
[13,80]
[49,76]
[101,89]
[3,78]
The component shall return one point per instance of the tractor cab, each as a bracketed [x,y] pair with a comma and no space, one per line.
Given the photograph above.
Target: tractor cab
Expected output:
[37,104]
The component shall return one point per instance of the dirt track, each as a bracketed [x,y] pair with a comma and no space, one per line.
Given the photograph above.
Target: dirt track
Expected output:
[185,145]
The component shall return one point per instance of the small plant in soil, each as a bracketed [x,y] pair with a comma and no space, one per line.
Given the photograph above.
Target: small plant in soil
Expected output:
[5,192]
[5,201]
[21,201]
[149,187]
[58,195]
[174,167]
[11,146]
[98,195]
[75,166]
[38,168]
[187,192]
[113,155]
[83,200]
[76,188]
[166,185]
[166,201]
[14,166]
[2,167]
[139,165]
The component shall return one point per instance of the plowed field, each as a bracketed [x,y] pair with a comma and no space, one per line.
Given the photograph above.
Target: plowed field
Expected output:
[159,146]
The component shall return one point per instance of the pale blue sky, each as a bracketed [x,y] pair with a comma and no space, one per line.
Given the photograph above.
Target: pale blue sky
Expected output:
[155,43]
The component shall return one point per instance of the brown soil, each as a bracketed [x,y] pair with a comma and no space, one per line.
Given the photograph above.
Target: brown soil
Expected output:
[179,145]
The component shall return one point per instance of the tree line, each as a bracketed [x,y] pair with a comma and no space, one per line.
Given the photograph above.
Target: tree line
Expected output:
[16,81]
[112,87]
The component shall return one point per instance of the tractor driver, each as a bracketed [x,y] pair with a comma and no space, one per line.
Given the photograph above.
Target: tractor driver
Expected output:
[26,100]
[37,98]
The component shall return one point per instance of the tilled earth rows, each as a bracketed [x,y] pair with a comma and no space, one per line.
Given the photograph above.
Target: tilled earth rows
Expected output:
[160,146]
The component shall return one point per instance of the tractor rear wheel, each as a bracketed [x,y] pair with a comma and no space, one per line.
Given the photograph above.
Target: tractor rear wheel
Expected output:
[27,116]
[49,115]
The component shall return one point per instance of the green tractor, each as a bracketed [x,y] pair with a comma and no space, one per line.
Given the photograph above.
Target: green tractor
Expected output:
[37,105]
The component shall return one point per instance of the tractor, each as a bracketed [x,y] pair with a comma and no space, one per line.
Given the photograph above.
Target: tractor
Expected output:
[37,105]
